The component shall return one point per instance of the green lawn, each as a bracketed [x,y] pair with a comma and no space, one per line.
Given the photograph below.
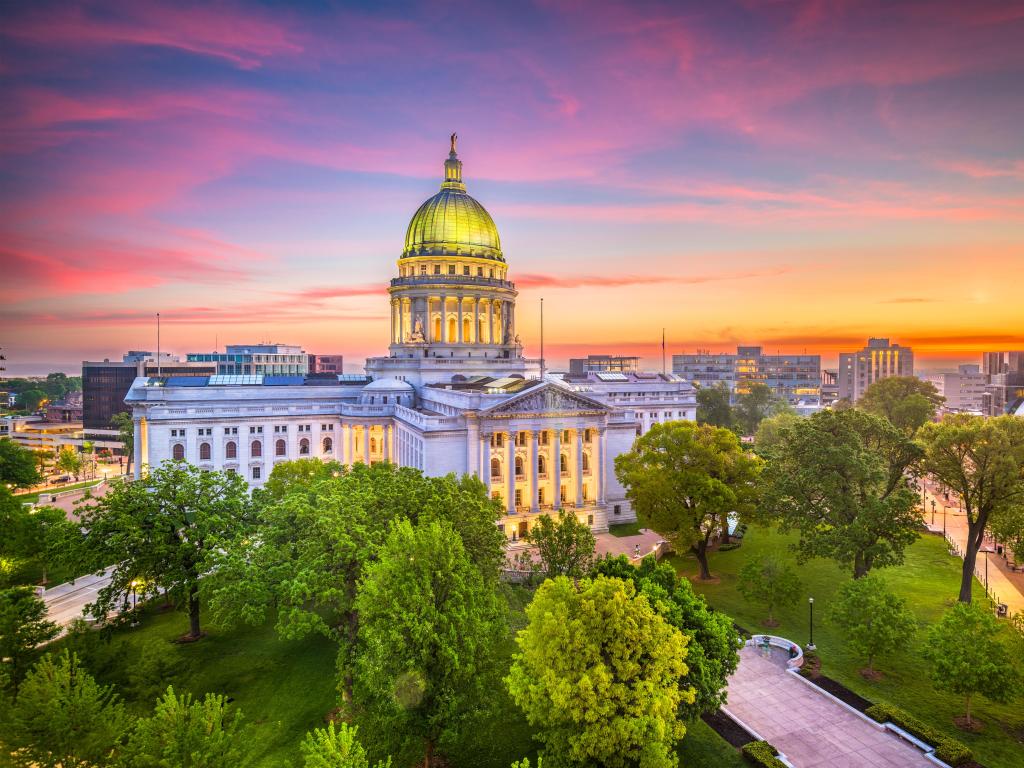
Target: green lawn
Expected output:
[285,688]
[32,498]
[624,529]
[929,580]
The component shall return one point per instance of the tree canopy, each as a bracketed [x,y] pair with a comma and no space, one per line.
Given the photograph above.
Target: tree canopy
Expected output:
[17,465]
[838,477]
[565,546]
[771,581]
[319,527]
[23,626]
[685,479]
[982,460]
[163,532]
[429,626]
[712,653]
[874,620]
[754,405]
[599,673]
[969,656]
[907,402]
[336,747]
[125,427]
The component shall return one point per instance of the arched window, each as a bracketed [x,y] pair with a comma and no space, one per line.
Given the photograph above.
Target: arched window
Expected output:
[437,329]
[564,463]
[586,462]
[204,451]
[453,330]
[328,445]
[542,465]
[495,469]
[178,452]
[231,450]
[519,466]
[256,449]
[304,447]
[467,330]
[373,445]
[280,448]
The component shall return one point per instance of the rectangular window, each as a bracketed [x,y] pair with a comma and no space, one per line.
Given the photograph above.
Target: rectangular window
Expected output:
[437,269]
[255,473]
[519,498]
[451,269]
[465,271]
[423,269]
[617,509]
[479,271]
[590,519]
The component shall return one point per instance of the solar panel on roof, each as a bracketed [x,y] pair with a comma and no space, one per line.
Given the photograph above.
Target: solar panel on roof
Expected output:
[283,381]
[186,381]
[608,376]
[353,377]
[235,379]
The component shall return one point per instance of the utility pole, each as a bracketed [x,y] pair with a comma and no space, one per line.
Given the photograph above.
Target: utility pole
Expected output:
[663,369]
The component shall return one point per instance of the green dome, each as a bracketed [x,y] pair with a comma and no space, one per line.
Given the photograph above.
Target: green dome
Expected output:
[452,223]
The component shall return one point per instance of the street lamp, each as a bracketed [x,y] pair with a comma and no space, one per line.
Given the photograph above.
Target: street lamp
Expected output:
[944,508]
[933,511]
[810,604]
[986,551]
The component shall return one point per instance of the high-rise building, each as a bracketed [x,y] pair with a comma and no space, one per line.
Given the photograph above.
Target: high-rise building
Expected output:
[581,366]
[105,384]
[993,363]
[795,378]
[326,364]
[878,360]
[255,360]
[829,386]
[964,389]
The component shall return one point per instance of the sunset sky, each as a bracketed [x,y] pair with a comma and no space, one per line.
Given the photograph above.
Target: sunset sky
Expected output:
[797,175]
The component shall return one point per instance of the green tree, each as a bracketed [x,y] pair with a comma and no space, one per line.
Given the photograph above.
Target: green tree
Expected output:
[316,534]
[753,406]
[771,430]
[1008,528]
[69,460]
[565,546]
[332,747]
[906,402]
[982,460]
[839,478]
[183,733]
[31,399]
[712,654]
[713,406]
[685,480]
[42,534]
[968,652]
[166,530]
[769,581]
[23,626]
[429,625]
[873,619]
[17,465]
[599,674]
[125,427]
[63,719]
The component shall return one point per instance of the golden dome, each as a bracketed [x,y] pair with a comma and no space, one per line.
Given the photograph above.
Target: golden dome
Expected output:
[451,222]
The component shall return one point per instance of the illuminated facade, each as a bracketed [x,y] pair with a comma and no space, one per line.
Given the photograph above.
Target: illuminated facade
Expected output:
[793,378]
[454,394]
[878,360]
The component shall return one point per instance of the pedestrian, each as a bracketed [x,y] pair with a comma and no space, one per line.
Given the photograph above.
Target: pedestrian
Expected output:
[636,551]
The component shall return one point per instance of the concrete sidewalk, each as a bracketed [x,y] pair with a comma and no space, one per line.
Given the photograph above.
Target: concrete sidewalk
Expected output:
[67,602]
[808,727]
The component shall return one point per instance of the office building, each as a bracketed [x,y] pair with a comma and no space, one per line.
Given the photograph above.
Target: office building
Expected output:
[256,360]
[793,378]
[581,366]
[964,389]
[326,364]
[878,360]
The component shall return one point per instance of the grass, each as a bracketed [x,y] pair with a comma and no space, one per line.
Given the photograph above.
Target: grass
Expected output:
[285,688]
[32,498]
[929,581]
[624,529]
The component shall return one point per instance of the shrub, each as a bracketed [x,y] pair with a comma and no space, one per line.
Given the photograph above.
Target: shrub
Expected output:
[947,749]
[729,547]
[763,754]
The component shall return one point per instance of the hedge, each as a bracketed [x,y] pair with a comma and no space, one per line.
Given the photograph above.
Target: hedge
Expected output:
[763,754]
[947,749]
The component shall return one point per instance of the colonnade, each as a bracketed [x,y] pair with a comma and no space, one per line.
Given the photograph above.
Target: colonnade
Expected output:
[359,441]
[459,319]
[557,467]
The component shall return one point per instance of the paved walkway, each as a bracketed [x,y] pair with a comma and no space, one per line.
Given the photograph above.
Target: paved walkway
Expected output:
[1005,586]
[66,602]
[808,727]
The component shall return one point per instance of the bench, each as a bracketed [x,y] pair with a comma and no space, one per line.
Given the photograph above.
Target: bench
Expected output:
[780,642]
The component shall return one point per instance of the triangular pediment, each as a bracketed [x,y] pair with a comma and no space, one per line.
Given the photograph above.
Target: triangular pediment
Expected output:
[548,398]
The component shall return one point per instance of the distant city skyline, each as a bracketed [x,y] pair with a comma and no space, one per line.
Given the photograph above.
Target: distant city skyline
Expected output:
[794,176]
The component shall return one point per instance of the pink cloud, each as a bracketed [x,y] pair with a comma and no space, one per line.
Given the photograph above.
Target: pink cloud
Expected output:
[619,281]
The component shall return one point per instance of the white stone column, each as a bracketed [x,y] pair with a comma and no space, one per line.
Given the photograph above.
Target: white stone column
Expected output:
[484,451]
[401,321]
[602,442]
[137,457]
[366,444]
[532,461]
[579,467]
[444,319]
[510,472]
[557,467]
[461,340]
[490,321]
[472,446]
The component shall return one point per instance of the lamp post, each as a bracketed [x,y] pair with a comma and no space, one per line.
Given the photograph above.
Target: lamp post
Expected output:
[810,604]
[944,508]
[985,551]
[933,511]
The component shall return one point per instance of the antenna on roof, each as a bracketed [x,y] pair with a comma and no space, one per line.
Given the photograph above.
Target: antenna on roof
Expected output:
[663,369]
[542,338]
[158,373]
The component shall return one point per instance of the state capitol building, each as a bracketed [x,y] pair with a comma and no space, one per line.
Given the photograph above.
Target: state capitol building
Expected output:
[455,394]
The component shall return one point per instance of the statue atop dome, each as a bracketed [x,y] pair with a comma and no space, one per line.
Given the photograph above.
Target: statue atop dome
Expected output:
[454,138]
